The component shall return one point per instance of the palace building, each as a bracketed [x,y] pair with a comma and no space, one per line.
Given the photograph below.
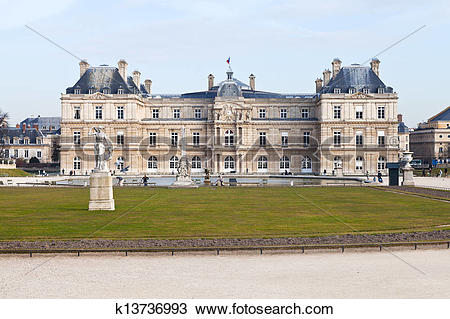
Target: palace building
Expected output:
[348,125]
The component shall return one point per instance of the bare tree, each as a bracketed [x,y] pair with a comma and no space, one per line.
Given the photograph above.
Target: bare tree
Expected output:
[3,131]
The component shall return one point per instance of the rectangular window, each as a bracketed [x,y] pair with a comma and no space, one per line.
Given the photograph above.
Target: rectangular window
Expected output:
[197,114]
[174,139]
[305,113]
[381,112]
[359,112]
[359,138]
[337,91]
[77,138]
[284,139]
[120,138]
[337,138]
[283,113]
[262,113]
[306,136]
[152,138]
[77,91]
[337,112]
[155,114]
[38,154]
[98,112]
[262,138]
[6,153]
[16,153]
[176,113]
[26,154]
[196,138]
[26,140]
[381,139]
[365,90]
[76,113]
[120,112]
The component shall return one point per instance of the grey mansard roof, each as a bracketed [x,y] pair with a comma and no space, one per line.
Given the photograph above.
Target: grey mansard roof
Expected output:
[243,90]
[31,133]
[357,77]
[105,77]
[442,116]
[402,128]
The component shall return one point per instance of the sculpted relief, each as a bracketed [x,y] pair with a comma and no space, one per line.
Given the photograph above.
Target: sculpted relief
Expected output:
[232,113]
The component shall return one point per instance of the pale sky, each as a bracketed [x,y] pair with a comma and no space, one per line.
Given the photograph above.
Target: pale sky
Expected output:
[286,44]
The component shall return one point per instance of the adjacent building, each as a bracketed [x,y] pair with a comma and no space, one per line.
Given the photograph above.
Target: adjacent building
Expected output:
[430,140]
[349,124]
[34,139]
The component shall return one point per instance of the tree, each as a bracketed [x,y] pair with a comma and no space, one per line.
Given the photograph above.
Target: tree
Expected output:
[3,131]
[55,149]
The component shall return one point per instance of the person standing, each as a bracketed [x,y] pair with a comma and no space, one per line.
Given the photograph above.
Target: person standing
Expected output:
[145,180]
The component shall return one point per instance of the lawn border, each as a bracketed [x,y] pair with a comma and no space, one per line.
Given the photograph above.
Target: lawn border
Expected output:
[173,250]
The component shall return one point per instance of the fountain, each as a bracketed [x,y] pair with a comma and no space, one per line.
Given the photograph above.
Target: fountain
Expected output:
[183,179]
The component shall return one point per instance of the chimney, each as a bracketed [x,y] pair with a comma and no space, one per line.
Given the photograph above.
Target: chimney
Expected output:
[252,81]
[24,127]
[83,67]
[318,85]
[336,64]
[400,118]
[148,86]
[36,127]
[122,64]
[210,81]
[137,78]
[326,77]
[17,125]
[375,65]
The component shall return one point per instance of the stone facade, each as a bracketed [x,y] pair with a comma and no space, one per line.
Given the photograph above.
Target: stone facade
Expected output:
[430,141]
[350,122]
[24,143]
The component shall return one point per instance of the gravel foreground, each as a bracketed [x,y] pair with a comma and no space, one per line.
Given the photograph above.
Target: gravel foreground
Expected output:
[227,242]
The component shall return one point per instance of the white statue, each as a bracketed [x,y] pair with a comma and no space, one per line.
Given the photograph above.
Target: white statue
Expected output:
[102,149]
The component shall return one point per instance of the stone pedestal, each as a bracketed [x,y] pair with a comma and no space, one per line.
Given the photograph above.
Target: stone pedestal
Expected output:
[101,192]
[338,171]
[408,179]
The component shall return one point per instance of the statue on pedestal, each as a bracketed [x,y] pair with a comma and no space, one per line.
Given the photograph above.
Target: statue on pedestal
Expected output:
[102,149]
[408,179]
[100,181]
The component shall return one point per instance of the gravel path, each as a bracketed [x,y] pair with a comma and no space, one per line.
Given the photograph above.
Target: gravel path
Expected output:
[227,242]
[422,191]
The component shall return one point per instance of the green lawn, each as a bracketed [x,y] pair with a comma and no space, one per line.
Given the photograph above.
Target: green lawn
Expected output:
[13,173]
[61,213]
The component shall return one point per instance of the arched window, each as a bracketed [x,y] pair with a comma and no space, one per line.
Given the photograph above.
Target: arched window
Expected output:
[229,163]
[173,162]
[359,163]
[285,163]
[196,163]
[381,163]
[76,163]
[337,162]
[152,163]
[262,163]
[306,164]
[120,163]
[229,138]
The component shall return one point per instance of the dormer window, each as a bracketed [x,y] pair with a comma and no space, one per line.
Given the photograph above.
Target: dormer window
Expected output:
[366,90]
[337,91]
[106,91]
[120,91]
[352,90]
[77,91]
[380,90]
[92,90]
